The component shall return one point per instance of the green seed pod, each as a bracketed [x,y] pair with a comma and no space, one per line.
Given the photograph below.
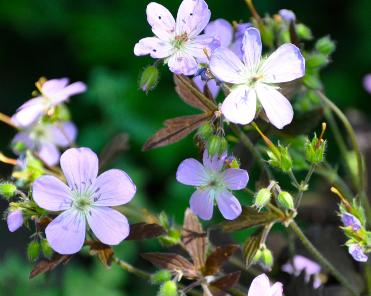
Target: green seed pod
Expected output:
[46,248]
[303,32]
[262,198]
[216,145]
[316,60]
[314,151]
[8,189]
[266,259]
[169,288]
[33,250]
[205,131]
[285,200]
[160,277]
[325,45]
[149,78]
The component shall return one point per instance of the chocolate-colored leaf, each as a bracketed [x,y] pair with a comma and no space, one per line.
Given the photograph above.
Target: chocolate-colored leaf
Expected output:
[172,262]
[140,231]
[227,281]
[116,146]
[251,246]
[194,239]
[250,217]
[217,258]
[175,130]
[104,252]
[46,265]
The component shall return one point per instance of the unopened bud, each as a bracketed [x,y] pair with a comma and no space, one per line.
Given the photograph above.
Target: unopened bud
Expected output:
[161,277]
[285,200]
[8,190]
[205,131]
[280,158]
[316,60]
[325,45]
[33,250]
[315,150]
[46,248]
[149,78]
[262,198]
[312,81]
[303,32]
[266,259]
[169,288]
[217,145]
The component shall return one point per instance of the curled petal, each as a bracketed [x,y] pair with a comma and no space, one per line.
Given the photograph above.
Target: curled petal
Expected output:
[153,46]
[228,205]
[183,63]
[202,204]
[235,179]
[251,48]
[161,21]
[191,172]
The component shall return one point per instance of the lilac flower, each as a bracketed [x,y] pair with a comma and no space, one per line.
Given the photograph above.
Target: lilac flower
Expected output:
[44,139]
[213,183]
[52,93]
[351,221]
[178,42]
[300,264]
[86,199]
[287,15]
[261,286]
[357,253]
[367,83]
[14,220]
[254,79]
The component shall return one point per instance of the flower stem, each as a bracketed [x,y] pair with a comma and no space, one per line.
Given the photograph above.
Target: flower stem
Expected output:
[130,268]
[7,120]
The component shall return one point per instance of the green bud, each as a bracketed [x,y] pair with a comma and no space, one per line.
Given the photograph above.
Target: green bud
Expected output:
[312,81]
[205,131]
[160,277]
[33,250]
[325,45]
[46,248]
[303,32]
[314,151]
[280,158]
[169,288]
[19,147]
[149,78]
[172,238]
[7,189]
[266,259]
[262,198]
[316,60]
[285,200]
[257,256]
[216,145]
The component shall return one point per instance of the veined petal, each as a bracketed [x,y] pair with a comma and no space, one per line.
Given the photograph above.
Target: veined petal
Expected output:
[66,233]
[192,172]
[63,134]
[51,194]
[227,67]
[153,46]
[49,153]
[108,225]
[29,112]
[183,63]
[277,108]
[161,21]
[214,163]
[240,105]
[283,65]
[192,18]
[113,188]
[260,286]
[197,46]
[251,48]
[222,30]
[236,179]
[228,205]
[80,166]
[64,94]
[202,204]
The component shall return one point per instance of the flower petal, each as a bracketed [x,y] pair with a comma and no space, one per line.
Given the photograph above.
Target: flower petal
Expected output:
[183,63]
[202,204]
[70,90]
[113,188]
[66,233]
[49,153]
[222,30]
[260,286]
[283,65]
[236,179]
[228,205]
[193,16]
[51,194]
[199,45]
[161,21]
[108,225]
[153,46]
[277,289]
[214,163]
[14,220]
[251,48]
[50,87]
[63,134]
[227,67]
[191,172]
[277,108]
[211,84]
[240,105]
[80,166]
[29,112]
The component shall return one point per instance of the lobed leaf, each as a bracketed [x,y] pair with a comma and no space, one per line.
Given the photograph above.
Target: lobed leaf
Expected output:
[251,247]
[141,231]
[49,265]
[104,252]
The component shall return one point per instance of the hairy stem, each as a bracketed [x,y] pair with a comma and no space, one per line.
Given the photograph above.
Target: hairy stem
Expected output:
[130,268]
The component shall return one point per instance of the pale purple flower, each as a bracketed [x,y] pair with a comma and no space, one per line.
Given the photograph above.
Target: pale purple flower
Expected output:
[357,253]
[14,220]
[351,221]
[287,15]
[52,93]
[213,183]
[255,78]
[87,199]
[367,83]
[299,264]
[178,42]
[45,138]
[261,286]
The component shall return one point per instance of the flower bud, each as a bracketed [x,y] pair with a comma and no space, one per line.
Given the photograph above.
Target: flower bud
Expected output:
[266,259]
[33,250]
[8,190]
[149,78]
[280,158]
[14,220]
[216,145]
[287,15]
[285,200]
[325,45]
[315,151]
[316,60]
[169,288]
[262,198]
[205,131]
[161,277]
[303,32]
[312,81]
[46,248]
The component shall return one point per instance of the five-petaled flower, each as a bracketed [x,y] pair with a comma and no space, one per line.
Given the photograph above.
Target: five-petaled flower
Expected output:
[261,286]
[178,42]
[52,93]
[213,183]
[255,78]
[88,198]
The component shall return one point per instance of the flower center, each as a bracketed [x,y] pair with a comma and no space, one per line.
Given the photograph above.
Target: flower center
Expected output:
[180,40]
[215,181]
[82,201]
[254,79]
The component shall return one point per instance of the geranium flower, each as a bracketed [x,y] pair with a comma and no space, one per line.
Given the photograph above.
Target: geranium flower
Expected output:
[14,220]
[261,286]
[44,139]
[52,93]
[255,78]
[180,42]
[86,200]
[213,183]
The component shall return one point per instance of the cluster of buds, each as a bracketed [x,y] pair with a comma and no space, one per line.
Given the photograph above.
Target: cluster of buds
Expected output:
[315,149]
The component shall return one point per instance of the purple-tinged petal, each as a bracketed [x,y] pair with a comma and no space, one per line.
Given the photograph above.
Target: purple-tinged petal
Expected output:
[49,154]
[14,220]
[199,45]
[228,205]
[357,253]
[161,21]
[29,112]
[183,63]
[80,167]
[52,86]
[66,233]
[222,30]
[51,194]
[192,172]
[236,47]
[235,179]
[202,204]
[213,87]
[113,188]
[108,225]
[260,286]
[240,30]
[24,138]
[352,221]
[240,105]
[283,65]
[214,163]
[227,67]
[70,90]
[367,83]
[287,15]
[153,46]
[63,134]
[277,108]
[277,289]
[251,48]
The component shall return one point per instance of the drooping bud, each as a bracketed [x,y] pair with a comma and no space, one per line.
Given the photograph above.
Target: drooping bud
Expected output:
[285,200]
[217,145]
[160,277]
[14,220]
[46,248]
[325,45]
[149,78]
[169,288]
[33,250]
[8,189]
[262,198]
[266,259]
